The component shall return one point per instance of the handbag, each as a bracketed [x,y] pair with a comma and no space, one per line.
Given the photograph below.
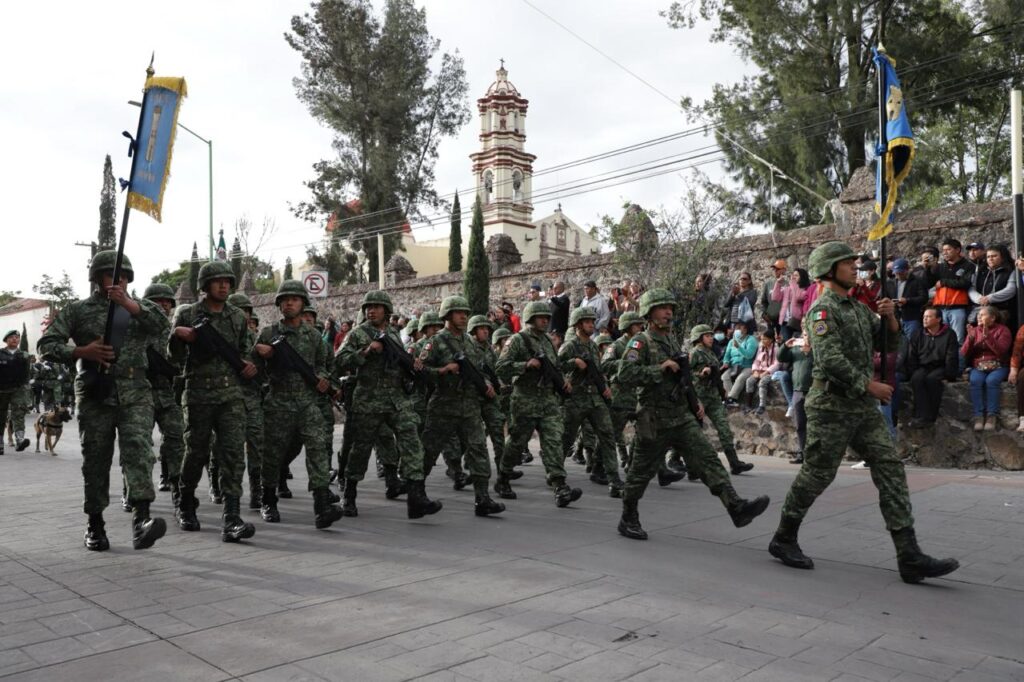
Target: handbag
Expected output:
[988,365]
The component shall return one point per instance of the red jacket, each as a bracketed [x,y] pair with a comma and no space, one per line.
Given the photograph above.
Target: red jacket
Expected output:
[995,345]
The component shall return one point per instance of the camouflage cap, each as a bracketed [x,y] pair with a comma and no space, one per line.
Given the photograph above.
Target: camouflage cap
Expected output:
[412,327]
[654,298]
[584,312]
[430,319]
[215,269]
[291,287]
[453,303]
[603,339]
[500,334]
[825,256]
[700,330]
[239,300]
[377,297]
[159,291]
[104,261]
[628,319]
[535,309]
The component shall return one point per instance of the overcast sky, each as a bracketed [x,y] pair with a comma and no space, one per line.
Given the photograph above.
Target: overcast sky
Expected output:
[71,67]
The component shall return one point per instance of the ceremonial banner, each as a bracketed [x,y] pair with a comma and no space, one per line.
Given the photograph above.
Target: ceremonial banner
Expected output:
[159,124]
[898,150]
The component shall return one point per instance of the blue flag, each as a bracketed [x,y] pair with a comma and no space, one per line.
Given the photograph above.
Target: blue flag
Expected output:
[153,149]
[899,147]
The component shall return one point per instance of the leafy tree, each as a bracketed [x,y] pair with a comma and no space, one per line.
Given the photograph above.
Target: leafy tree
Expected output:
[811,108]
[173,278]
[58,293]
[23,345]
[455,240]
[371,78]
[288,268]
[8,296]
[476,284]
[107,237]
[341,264]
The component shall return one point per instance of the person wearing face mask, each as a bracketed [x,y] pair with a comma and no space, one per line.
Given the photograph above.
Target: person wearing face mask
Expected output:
[719,340]
[737,363]
[868,288]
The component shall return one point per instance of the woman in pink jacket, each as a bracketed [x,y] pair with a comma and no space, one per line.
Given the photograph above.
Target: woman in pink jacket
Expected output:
[766,362]
[792,296]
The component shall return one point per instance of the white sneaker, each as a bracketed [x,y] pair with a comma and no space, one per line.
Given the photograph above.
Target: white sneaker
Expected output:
[860,465]
[1020,429]
[789,414]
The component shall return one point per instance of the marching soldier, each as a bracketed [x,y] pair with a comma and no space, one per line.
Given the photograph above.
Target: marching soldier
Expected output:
[652,362]
[623,408]
[528,362]
[842,411]
[297,366]
[114,395]
[371,352]
[252,397]
[429,325]
[48,379]
[14,375]
[454,410]
[494,419]
[166,410]
[211,338]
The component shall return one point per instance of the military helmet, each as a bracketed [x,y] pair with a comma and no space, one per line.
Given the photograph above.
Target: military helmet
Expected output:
[479,321]
[534,309]
[291,287]
[453,303]
[215,269]
[310,308]
[239,300]
[412,327]
[654,298]
[430,319]
[603,339]
[499,334]
[159,291]
[628,319]
[584,312]
[700,330]
[104,261]
[377,297]
[825,256]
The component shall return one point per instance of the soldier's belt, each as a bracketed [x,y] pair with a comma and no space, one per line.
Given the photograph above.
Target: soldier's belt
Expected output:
[210,382]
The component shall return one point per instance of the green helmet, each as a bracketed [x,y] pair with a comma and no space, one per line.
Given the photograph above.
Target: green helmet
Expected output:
[825,256]
[453,303]
[377,298]
[240,300]
[412,327]
[535,309]
[479,321]
[654,298]
[309,308]
[159,292]
[291,287]
[430,319]
[500,334]
[700,330]
[584,312]
[603,339]
[628,319]
[215,269]
[104,261]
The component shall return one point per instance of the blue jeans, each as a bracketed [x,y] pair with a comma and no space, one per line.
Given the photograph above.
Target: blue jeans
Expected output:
[785,381]
[891,411]
[910,326]
[985,389]
[956,318]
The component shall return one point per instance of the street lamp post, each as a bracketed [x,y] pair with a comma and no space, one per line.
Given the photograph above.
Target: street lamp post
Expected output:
[209,144]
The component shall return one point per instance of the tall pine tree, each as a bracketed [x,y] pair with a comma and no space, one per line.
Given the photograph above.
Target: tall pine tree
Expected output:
[24,338]
[193,270]
[236,261]
[476,284]
[288,268]
[455,240]
[107,237]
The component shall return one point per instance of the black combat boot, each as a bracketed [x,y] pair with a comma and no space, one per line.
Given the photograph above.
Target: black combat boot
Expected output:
[96,534]
[736,465]
[484,505]
[675,462]
[419,505]
[145,531]
[283,491]
[213,473]
[326,513]
[380,468]
[784,546]
[615,485]
[165,484]
[629,524]
[503,487]
[577,455]
[740,510]
[255,492]
[349,507]
[667,477]
[394,486]
[526,457]
[186,516]
[234,528]
[22,442]
[597,473]
[564,495]
[268,508]
[333,497]
[914,564]
[126,504]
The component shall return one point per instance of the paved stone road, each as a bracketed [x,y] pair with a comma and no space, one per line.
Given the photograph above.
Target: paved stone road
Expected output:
[537,594]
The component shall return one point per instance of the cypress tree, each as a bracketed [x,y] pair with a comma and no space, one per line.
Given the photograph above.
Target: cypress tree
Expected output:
[236,262]
[24,335]
[193,270]
[476,284]
[455,240]
[288,268]
[107,237]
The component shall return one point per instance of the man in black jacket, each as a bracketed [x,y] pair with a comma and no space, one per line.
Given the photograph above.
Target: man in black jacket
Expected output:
[559,302]
[931,358]
[910,293]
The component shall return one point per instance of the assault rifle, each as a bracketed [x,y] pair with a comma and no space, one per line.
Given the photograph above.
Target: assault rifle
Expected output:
[287,358]
[395,354]
[551,374]
[210,341]
[159,366]
[684,385]
[469,371]
[593,374]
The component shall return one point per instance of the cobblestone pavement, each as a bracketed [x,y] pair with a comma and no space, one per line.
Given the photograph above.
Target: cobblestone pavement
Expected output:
[538,593]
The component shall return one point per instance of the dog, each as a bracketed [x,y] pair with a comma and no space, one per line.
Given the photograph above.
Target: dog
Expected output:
[52,424]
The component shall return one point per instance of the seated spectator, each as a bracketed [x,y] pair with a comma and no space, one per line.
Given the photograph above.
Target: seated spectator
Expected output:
[869,287]
[1016,361]
[736,363]
[766,363]
[791,297]
[995,284]
[718,346]
[930,360]
[910,292]
[797,352]
[986,350]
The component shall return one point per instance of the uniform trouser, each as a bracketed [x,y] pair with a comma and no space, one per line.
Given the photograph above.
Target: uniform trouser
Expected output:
[171,423]
[828,435]
[226,421]
[686,438]
[800,419]
[714,412]
[577,413]
[327,412]
[620,417]
[494,424]
[469,438]
[549,428]
[366,430]
[12,411]
[133,426]
[295,429]
[254,441]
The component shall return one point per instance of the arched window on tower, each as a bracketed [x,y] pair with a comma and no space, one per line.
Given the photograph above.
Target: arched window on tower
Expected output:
[517,186]
[488,186]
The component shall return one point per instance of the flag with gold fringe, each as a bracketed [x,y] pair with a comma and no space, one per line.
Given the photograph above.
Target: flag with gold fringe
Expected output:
[159,124]
[898,149]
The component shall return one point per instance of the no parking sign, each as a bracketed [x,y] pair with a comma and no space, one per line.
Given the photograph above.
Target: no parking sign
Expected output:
[315,282]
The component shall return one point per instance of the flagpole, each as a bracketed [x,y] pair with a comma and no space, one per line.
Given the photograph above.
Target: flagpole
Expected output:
[882,198]
[1017,186]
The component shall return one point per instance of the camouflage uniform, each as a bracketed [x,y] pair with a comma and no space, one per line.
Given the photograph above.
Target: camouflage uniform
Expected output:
[252,398]
[166,410]
[14,375]
[623,409]
[490,410]
[48,377]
